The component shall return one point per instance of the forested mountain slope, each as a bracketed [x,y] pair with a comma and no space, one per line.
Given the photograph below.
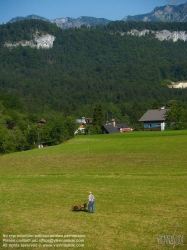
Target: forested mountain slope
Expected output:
[87,65]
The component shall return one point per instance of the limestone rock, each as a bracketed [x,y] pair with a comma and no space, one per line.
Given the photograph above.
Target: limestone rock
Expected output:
[40,42]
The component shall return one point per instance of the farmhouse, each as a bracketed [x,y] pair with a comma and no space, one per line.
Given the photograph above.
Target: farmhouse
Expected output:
[83,122]
[114,127]
[154,119]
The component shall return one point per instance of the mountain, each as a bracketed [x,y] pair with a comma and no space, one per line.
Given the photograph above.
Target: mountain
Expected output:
[77,22]
[168,13]
[20,18]
[83,66]
[67,22]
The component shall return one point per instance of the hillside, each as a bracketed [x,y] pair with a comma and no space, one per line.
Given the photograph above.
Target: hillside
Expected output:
[87,65]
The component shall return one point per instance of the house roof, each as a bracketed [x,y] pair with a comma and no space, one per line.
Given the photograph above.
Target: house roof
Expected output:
[110,128]
[122,125]
[154,115]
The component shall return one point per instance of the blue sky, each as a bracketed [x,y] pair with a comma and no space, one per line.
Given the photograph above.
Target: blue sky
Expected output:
[51,9]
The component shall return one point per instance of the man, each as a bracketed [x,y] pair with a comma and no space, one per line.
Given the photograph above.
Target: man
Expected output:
[91,202]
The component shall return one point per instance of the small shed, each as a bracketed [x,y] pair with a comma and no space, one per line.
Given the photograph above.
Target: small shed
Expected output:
[154,119]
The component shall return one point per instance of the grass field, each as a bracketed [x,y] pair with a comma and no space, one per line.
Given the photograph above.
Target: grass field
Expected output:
[139,180]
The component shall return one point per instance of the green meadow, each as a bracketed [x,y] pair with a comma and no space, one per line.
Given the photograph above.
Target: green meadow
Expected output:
[139,180]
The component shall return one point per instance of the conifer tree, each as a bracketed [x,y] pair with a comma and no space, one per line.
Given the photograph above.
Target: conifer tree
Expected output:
[98,118]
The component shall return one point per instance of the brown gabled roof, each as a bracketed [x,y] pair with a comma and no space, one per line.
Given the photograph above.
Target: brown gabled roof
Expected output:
[154,115]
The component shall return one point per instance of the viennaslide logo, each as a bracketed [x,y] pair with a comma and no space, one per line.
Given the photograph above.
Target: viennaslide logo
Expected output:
[170,239]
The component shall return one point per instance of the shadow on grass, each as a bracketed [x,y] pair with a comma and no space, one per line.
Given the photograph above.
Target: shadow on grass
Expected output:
[86,211]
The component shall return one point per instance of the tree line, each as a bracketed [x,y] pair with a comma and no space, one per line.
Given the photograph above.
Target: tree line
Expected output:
[87,65]
[20,130]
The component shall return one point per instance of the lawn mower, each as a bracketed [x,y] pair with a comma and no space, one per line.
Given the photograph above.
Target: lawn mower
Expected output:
[81,207]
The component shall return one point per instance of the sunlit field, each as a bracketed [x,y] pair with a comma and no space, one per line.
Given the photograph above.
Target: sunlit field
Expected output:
[139,180]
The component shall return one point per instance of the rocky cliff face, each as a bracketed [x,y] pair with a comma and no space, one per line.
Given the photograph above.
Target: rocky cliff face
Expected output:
[46,40]
[161,35]
[168,13]
[168,35]
[178,85]
[40,42]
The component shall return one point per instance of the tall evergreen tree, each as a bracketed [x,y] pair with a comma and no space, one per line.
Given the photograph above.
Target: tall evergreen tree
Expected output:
[98,117]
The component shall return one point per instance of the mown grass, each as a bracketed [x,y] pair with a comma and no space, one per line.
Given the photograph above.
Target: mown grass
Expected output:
[139,180]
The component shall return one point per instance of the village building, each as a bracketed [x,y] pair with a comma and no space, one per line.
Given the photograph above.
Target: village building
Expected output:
[154,119]
[82,124]
[113,127]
